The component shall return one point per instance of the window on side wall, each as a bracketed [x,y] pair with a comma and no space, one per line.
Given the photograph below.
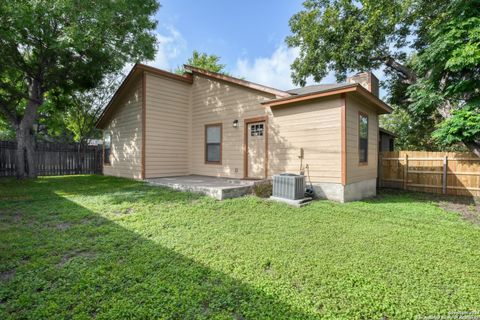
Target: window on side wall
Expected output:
[107,141]
[363,138]
[213,143]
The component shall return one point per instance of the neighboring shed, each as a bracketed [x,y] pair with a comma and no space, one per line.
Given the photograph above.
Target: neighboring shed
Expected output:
[387,140]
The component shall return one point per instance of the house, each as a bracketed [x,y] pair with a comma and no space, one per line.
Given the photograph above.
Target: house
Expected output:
[160,124]
[386,141]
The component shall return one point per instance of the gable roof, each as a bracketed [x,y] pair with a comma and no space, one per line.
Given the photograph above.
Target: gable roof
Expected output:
[353,88]
[237,81]
[137,70]
[283,98]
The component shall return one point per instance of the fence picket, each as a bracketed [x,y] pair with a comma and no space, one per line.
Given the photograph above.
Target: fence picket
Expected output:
[53,159]
[434,172]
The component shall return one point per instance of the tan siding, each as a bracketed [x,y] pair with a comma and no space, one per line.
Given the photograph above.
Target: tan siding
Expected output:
[358,172]
[220,102]
[125,127]
[315,127]
[176,115]
[167,127]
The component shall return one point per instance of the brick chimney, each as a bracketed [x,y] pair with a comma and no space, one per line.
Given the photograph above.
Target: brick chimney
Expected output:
[366,80]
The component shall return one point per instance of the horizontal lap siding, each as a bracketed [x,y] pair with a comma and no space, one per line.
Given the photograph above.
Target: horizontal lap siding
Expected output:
[316,128]
[358,172]
[167,127]
[220,102]
[125,127]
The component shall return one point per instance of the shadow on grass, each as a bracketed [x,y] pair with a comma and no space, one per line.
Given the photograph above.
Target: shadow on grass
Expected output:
[61,260]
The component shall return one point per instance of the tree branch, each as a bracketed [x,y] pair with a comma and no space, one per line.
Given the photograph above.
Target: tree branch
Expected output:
[408,75]
[474,147]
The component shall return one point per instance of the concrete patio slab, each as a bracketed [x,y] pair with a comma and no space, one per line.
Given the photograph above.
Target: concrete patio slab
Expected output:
[218,188]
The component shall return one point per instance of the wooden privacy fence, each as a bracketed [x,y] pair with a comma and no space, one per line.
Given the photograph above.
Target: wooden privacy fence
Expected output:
[54,159]
[450,173]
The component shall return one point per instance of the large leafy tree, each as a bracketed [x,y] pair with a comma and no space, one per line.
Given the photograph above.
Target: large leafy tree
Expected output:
[66,45]
[448,72]
[414,133]
[79,111]
[430,51]
[6,132]
[205,61]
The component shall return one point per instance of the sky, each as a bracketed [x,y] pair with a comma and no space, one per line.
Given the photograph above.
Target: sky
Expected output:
[248,35]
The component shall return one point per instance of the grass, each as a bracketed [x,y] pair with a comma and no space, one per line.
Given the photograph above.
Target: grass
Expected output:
[86,247]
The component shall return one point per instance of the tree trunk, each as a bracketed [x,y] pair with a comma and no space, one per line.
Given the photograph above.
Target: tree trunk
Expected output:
[30,150]
[20,154]
[25,154]
[474,147]
[24,133]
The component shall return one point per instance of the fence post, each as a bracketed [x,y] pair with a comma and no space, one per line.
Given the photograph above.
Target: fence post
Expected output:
[405,173]
[444,178]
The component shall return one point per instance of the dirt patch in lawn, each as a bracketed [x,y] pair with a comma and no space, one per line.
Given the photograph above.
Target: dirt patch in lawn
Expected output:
[75,254]
[124,212]
[467,207]
[13,216]
[469,210]
[63,226]
[7,275]
[17,217]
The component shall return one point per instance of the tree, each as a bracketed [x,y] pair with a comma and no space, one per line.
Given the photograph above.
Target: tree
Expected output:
[413,133]
[6,132]
[80,110]
[87,107]
[63,45]
[448,72]
[205,61]
[430,51]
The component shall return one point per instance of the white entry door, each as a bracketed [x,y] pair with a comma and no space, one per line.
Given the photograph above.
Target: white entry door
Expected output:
[256,150]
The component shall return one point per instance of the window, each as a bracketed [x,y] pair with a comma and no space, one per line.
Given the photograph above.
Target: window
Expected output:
[256,130]
[213,143]
[391,145]
[363,138]
[106,147]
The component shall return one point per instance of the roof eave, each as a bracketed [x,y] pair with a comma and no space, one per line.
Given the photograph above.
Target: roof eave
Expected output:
[103,115]
[357,88]
[308,96]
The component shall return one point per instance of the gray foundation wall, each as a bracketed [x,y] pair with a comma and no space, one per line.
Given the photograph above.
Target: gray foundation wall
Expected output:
[360,190]
[330,191]
[350,192]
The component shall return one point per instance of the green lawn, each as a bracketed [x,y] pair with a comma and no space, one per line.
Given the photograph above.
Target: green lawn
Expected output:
[97,247]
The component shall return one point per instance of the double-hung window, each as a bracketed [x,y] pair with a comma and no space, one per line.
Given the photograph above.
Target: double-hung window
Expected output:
[213,143]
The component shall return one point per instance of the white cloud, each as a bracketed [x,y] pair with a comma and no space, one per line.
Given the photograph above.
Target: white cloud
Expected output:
[273,71]
[170,44]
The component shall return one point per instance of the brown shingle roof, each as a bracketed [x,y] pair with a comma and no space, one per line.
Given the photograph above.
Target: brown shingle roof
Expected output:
[317,88]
